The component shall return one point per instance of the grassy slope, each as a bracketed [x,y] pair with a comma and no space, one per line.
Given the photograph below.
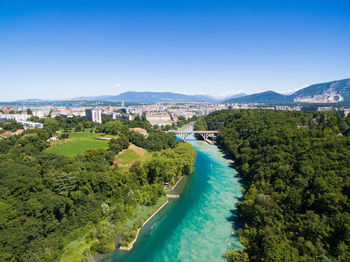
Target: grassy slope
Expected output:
[75,249]
[134,153]
[77,143]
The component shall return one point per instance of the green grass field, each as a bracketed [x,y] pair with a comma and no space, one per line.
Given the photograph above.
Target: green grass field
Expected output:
[134,153]
[77,144]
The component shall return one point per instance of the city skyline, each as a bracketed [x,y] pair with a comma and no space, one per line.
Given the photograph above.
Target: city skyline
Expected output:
[61,49]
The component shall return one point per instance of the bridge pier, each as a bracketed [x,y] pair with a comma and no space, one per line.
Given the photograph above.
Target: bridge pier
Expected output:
[206,136]
[184,136]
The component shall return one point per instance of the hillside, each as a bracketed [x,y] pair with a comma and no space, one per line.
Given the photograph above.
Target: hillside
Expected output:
[267,97]
[329,92]
[335,91]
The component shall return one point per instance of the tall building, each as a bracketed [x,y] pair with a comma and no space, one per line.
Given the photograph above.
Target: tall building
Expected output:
[93,115]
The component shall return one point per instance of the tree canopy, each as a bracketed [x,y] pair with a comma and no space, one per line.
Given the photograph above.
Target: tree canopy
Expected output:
[48,200]
[295,168]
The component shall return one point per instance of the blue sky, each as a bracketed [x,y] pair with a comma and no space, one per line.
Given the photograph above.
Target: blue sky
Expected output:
[61,49]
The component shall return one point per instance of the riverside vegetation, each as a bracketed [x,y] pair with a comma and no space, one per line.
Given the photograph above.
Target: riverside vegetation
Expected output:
[57,207]
[296,172]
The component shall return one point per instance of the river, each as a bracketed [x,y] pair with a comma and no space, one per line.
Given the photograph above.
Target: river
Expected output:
[198,225]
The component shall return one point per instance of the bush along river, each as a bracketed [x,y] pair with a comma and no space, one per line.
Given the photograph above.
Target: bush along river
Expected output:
[198,226]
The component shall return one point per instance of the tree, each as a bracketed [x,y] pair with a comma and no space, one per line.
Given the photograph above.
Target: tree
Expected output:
[235,256]
[51,125]
[118,144]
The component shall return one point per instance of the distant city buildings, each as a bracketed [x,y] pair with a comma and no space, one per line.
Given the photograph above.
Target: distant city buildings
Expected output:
[94,115]
[16,117]
[41,112]
[68,112]
[117,115]
[158,114]
[160,119]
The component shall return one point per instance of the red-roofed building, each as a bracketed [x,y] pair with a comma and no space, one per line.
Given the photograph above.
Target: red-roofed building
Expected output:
[18,132]
[6,134]
[139,130]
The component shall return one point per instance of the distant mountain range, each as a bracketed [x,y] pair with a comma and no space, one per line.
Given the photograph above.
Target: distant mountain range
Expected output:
[153,97]
[234,96]
[330,92]
[149,97]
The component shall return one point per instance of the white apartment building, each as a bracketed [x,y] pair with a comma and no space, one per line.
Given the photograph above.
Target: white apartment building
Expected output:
[94,115]
[16,117]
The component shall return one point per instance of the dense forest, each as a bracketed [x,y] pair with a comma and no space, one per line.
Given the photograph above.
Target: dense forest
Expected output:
[49,200]
[295,167]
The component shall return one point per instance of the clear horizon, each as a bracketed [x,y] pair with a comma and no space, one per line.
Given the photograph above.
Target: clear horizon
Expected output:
[217,97]
[64,49]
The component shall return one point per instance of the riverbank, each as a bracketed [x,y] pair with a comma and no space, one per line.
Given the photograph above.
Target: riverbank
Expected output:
[174,186]
[169,196]
[79,249]
[198,225]
[131,245]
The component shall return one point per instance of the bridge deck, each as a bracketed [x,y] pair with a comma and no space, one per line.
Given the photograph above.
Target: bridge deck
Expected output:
[206,134]
[193,132]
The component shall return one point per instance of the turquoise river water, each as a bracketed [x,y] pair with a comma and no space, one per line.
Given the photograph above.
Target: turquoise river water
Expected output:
[198,225]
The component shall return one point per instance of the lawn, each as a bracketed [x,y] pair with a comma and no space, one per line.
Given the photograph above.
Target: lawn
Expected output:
[128,156]
[77,144]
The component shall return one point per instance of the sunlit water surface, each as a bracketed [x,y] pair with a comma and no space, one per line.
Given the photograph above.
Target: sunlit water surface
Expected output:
[198,225]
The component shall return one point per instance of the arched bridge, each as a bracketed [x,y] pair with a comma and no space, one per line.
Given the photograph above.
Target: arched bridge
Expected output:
[206,134]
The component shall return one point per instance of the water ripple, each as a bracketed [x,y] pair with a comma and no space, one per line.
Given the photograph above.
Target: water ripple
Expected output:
[196,226]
